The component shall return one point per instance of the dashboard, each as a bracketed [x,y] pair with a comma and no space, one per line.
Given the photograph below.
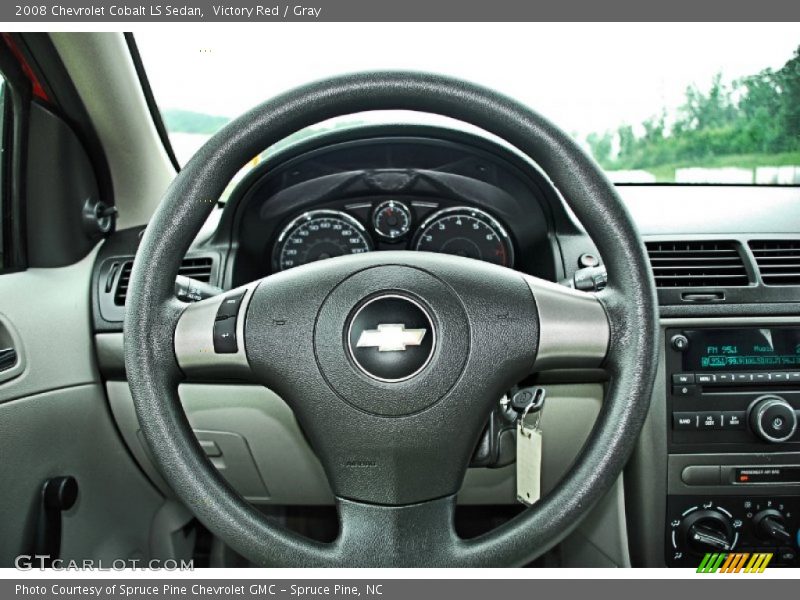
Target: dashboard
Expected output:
[376,189]
[718,463]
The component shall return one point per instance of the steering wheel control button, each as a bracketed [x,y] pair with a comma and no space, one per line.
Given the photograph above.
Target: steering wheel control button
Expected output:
[230,306]
[225,324]
[225,336]
[391,338]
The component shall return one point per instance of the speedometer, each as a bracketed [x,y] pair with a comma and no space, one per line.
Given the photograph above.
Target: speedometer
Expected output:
[465,231]
[319,234]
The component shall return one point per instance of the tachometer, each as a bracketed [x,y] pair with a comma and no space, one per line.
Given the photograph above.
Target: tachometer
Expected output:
[319,234]
[465,231]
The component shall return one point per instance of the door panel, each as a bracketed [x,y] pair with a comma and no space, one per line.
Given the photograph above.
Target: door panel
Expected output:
[55,421]
[69,432]
[49,310]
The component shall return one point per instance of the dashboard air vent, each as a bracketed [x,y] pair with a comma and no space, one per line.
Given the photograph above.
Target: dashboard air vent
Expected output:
[697,264]
[778,261]
[197,268]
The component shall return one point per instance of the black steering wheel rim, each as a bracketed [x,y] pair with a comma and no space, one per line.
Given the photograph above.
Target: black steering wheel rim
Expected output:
[152,314]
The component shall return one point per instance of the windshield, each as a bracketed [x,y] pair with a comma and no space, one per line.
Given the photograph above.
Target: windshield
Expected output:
[657,103]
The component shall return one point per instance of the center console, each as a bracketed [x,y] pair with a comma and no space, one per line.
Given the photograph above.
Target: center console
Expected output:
[733,414]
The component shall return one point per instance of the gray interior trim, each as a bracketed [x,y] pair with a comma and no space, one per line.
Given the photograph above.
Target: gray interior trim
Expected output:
[288,468]
[110,90]
[70,432]
[50,310]
[569,414]
[646,479]
[284,462]
[601,540]
[110,353]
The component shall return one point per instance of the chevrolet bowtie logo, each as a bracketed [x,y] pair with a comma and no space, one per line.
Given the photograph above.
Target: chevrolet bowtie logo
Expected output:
[391,337]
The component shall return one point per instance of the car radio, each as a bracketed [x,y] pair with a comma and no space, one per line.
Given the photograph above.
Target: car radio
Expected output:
[736,389]
[733,402]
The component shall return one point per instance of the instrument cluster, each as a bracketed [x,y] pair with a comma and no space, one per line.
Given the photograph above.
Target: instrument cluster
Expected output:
[392,224]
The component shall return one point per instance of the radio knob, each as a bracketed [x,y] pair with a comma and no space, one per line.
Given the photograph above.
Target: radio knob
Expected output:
[707,530]
[773,419]
[679,342]
[770,525]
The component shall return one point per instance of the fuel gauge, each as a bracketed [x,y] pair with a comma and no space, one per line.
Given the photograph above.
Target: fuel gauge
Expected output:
[392,219]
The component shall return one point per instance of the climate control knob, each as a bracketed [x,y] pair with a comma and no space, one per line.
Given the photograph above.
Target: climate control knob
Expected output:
[773,419]
[770,525]
[707,530]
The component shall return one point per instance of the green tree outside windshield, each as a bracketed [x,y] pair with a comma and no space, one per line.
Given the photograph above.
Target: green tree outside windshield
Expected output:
[753,122]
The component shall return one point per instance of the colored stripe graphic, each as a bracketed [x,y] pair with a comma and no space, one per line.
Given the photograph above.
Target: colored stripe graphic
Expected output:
[703,563]
[758,563]
[734,562]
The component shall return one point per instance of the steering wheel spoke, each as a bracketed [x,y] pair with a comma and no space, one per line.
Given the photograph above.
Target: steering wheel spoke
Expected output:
[209,337]
[574,330]
[398,536]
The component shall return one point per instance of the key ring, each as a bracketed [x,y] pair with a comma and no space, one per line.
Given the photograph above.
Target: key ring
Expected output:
[535,405]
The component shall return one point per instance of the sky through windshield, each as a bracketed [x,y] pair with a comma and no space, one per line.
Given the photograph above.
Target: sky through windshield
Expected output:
[653,102]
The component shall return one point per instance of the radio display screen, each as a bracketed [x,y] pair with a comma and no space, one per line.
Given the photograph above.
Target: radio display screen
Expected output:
[742,349]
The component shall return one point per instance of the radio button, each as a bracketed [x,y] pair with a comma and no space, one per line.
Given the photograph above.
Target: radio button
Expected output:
[742,377]
[734,420]
[684,420]
[710,420]
[778,422]
[723,378]
[682,378]
[794,376]
[779,377]
[773,419]
[684,390]
[704,378]
[761,377]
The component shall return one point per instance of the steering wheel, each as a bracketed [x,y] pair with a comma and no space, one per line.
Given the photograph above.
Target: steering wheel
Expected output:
[391,361]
